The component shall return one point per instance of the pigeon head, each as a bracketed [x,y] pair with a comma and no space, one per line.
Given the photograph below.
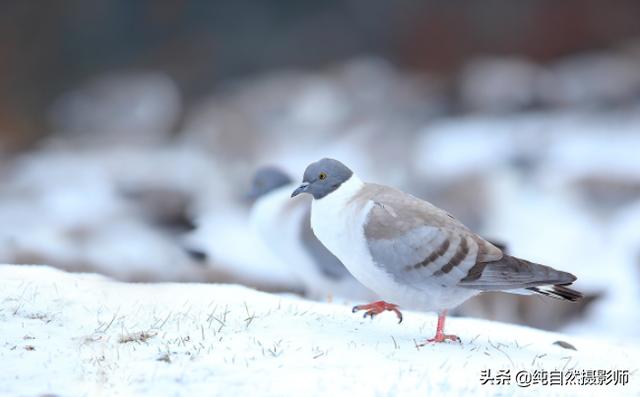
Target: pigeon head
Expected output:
[323,177]
[267,179]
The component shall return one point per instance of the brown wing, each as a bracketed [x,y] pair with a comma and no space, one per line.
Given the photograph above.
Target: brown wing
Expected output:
[418,243]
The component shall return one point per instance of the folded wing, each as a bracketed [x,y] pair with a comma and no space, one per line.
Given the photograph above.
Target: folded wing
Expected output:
[422,245]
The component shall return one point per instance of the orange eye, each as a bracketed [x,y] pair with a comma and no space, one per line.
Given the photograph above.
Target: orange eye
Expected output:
[322,176]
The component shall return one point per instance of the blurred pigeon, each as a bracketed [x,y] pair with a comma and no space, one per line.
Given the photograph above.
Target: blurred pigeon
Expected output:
[411,252]
[285,226]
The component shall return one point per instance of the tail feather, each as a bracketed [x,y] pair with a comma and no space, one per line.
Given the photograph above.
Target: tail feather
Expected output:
[510,273]
[558,292]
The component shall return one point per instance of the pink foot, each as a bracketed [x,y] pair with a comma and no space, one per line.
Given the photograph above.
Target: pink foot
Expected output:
[440,335]
[439,338]
[375,308]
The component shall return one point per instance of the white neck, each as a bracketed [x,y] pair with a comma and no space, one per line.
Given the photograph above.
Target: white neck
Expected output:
[337,220]
[344,193]
[333,204]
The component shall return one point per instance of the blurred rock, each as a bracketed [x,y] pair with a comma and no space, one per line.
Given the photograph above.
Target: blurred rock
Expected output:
[591,80]
[119,108]
[499,84]
[67,209]
[606,193]
[164,206]
[290,111]
[466,197]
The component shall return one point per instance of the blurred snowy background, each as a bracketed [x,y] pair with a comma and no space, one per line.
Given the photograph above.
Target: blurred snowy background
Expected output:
[129,133]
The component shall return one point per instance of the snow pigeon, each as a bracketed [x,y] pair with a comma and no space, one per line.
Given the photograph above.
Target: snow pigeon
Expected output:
[284,225]
[411,252]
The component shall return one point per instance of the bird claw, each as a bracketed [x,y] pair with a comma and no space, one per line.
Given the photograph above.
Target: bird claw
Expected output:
[439,338]
[375,308]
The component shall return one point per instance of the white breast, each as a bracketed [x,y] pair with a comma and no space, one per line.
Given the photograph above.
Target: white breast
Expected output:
[338,223]
[335,222]
[277,219]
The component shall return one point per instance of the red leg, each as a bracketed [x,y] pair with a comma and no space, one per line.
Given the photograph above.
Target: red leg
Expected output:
[440,335]
[375,308]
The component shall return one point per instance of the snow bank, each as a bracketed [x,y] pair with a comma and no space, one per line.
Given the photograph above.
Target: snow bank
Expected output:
[73,334]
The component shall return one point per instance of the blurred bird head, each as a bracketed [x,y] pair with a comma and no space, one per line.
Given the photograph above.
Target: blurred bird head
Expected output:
[323,177]
[265,180]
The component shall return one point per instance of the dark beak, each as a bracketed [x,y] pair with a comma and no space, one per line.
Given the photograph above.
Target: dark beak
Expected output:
[301,189]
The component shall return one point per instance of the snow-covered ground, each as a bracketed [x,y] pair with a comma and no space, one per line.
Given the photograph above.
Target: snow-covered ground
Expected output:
[78,334]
